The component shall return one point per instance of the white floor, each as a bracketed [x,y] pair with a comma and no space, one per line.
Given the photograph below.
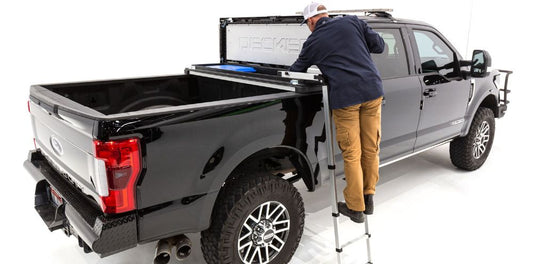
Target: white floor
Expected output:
[427,211]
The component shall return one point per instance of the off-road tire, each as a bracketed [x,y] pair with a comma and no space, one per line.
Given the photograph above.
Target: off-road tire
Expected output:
[240,200]
[465,152]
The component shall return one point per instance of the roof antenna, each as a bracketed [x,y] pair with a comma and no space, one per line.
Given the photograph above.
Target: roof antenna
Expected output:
[469,26]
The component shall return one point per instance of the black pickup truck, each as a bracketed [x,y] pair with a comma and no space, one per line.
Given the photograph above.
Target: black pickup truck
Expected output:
[217,149]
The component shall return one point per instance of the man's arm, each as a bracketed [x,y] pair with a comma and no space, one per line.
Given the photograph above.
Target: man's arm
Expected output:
[374,41]
[304,60]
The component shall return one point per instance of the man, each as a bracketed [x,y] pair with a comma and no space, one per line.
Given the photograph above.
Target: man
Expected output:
[341,48]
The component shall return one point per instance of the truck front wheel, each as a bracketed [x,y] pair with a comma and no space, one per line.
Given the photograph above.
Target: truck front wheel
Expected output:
[257,219]
[471,151]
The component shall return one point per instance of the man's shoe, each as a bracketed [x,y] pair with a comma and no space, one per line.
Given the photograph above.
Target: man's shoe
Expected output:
[369,204]
[355,216]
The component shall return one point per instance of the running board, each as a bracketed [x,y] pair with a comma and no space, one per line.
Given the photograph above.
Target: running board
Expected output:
[415,153]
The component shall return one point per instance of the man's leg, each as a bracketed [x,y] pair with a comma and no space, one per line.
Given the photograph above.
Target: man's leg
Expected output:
[370,122]
[347,132]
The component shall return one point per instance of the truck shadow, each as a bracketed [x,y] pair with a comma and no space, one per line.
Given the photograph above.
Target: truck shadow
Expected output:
[404,175]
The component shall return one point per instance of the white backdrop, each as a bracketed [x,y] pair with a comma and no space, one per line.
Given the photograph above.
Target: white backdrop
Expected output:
[62,41]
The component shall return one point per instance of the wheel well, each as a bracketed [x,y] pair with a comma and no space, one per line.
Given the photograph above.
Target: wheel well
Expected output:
[491,103]
[276,161]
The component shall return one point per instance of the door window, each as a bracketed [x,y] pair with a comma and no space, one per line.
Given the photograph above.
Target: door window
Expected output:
[435,55]
[392,62]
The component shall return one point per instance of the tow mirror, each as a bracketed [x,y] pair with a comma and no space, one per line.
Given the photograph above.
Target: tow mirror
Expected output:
[480,62]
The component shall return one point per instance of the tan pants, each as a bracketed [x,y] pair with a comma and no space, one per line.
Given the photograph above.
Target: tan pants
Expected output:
[359,134]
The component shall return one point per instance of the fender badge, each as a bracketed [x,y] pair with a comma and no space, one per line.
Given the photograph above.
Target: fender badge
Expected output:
[457,122]
[56,145]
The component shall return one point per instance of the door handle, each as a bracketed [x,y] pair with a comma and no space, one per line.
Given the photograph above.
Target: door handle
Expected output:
[430,92]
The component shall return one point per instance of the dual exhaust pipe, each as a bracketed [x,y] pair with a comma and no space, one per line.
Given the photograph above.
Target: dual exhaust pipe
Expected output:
[163,250]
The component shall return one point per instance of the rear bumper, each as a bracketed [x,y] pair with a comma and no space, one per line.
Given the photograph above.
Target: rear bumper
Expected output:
[78,216]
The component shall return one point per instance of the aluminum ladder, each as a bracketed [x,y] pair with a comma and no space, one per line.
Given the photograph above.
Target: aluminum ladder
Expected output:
[295,77]
[333,182]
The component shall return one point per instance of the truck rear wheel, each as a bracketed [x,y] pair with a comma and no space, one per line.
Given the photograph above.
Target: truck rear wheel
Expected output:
[257,219]
[471,151]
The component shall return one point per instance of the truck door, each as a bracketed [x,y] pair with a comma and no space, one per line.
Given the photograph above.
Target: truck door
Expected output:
[400,110]
[444,91]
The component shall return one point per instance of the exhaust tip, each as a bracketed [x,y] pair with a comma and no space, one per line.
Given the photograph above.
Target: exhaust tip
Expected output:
[183,252]
[162,258]
[162,252]
[183,247]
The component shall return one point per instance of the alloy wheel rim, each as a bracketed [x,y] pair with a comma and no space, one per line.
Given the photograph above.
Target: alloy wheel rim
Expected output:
[481,140]
[264,233]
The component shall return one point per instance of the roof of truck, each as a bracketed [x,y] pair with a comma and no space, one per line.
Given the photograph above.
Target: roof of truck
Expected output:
[392,20]
[376,15]
[369,18]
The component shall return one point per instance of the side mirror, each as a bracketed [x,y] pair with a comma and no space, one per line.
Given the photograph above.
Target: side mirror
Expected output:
[480,62]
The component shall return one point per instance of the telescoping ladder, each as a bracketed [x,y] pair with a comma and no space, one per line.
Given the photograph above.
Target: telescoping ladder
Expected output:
[295,76]
[333,182]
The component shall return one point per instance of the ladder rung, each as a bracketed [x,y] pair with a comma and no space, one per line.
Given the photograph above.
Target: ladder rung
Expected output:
[356,239]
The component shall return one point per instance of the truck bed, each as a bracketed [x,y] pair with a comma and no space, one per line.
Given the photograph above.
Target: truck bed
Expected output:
[172,117]
[129,95]
[200,87]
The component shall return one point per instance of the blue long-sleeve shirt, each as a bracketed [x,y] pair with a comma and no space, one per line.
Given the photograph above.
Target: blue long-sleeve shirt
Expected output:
[341,48]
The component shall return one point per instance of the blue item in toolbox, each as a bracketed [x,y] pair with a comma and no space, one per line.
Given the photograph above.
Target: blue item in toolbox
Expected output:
[233,68]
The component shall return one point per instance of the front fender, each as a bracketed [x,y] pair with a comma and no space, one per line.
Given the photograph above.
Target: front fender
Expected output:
[486,94]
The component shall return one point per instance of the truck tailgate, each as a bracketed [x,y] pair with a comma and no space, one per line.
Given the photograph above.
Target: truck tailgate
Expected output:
[67,142]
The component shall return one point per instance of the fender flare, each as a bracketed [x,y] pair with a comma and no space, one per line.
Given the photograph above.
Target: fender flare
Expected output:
[246,154]
[228,168]
[489,100]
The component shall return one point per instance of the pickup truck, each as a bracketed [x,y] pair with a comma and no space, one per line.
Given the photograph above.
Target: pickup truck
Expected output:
[217,149]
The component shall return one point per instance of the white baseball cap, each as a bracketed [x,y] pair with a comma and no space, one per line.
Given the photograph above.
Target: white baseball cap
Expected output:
[311,10]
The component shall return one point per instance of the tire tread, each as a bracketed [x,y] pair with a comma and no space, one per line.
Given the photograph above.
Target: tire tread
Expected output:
[213,243]
[461,147]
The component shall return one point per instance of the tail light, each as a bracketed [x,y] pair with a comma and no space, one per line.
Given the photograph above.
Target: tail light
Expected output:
[122,160]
